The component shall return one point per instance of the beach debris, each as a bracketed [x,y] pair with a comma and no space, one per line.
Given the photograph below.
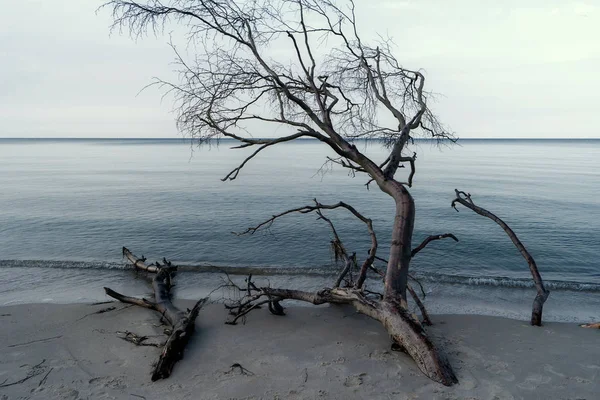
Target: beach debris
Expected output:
[181,323]
[45,377]
[595,325]
[136,339]
[34,371]
[238,367]
[542,293]
[107,309]
[35,341]
[406,330]
[102,311]
[102,302]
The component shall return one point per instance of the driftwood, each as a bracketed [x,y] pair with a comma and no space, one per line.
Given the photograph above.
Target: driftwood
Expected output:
[542,293]
[181,323]
[405,329]
[217,97]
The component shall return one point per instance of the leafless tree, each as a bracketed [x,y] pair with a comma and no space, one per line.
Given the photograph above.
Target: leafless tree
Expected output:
[301,67]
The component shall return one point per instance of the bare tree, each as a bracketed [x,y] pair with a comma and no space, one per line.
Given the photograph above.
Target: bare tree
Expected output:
[301,67]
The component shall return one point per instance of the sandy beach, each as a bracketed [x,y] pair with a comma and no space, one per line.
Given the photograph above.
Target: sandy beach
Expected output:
[71,352]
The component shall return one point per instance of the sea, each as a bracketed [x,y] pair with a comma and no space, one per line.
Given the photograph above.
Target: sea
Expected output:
[68,206]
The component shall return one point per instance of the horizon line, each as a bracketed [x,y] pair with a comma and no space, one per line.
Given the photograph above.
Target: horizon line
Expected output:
[258,138]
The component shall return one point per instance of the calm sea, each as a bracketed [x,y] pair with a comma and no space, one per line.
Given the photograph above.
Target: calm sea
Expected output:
[68,206]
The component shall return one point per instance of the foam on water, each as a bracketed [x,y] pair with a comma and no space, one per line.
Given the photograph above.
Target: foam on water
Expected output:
[324,271]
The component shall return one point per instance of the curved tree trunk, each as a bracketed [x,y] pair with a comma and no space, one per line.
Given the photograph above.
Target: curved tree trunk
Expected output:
[396,278]
[392,311]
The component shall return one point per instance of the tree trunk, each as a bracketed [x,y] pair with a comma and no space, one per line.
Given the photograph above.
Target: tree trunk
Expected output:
[399,323]
[411,336]
[396,278]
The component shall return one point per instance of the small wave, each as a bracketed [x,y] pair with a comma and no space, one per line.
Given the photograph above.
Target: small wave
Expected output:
[322,271]
[61,264]
[508,282]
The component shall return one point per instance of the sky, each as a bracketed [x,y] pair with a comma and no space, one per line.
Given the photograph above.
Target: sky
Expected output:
[509,69]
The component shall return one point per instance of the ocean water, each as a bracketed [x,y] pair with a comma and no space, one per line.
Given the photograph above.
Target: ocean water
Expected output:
[68,206]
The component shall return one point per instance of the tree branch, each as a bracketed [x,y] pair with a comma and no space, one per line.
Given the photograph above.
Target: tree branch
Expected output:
[431,238]
[542,293]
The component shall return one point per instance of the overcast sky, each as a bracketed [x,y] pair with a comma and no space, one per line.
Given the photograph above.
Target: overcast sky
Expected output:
[526,68]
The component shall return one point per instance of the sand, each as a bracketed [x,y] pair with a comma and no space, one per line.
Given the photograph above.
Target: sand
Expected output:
[325,352]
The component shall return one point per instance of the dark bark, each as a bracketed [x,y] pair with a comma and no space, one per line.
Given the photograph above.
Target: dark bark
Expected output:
[542,293]
[430,239]
[400,250]
[182,323]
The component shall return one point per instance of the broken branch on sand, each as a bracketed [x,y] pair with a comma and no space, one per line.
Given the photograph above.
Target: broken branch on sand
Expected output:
[182,323]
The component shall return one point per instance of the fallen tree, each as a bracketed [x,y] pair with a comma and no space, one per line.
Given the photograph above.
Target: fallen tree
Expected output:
[300,68]
[406,331]
[181,323]
[542,293]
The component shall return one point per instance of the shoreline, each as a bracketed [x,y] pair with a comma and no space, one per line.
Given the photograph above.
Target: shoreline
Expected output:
[313,352]
[68,286]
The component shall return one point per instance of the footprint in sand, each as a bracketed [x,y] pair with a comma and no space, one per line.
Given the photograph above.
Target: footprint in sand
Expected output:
[499,369]
[380,355]
[549,368]
[579,379]
[354,380]
[66,393]
[533,381]
[468,381]
[110,382]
